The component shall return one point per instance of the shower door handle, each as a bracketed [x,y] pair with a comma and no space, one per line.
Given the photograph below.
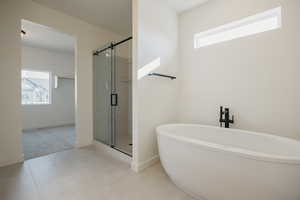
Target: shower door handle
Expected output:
[114,99]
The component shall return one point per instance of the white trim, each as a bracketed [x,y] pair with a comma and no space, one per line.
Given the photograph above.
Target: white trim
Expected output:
[78,145]
[20,159]
[48,127]
[138,167]
[112,152]
[135,35]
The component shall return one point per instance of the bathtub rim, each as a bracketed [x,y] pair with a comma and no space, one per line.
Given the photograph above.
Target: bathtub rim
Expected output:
[249,154]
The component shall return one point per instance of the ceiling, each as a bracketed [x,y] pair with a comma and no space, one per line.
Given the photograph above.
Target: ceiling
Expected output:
[45,37]
[184,5]
[114,15]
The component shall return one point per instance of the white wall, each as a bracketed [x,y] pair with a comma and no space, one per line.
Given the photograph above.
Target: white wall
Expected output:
[88,38]
[60,63]
[155,28]
[256,76]
[61,111]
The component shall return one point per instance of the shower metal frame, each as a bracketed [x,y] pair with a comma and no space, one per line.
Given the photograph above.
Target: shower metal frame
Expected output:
[114,94]
[112,46]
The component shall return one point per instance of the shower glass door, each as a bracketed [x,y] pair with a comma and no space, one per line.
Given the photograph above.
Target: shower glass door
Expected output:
[102,81]
[112,96]
[122,86]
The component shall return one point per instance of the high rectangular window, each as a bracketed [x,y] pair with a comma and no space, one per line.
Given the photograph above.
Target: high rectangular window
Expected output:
[36,87]
[266,21]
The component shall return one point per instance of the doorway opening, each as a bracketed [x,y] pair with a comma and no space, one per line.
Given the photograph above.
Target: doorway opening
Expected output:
[48,90]
[113,95]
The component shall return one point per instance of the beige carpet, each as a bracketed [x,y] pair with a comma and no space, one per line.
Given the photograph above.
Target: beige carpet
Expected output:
[42,142]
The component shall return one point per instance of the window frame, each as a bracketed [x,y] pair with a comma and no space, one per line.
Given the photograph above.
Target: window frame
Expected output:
[50,87]
[235,25]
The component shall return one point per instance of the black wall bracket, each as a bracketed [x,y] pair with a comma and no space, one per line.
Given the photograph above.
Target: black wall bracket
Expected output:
[162,75]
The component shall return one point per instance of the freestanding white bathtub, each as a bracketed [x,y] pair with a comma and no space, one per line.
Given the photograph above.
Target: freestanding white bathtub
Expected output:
[212,163]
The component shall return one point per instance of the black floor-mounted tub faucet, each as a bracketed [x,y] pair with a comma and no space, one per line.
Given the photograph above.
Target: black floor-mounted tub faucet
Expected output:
[226,118]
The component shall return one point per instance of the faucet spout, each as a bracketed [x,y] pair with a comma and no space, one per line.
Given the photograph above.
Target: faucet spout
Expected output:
[221,116]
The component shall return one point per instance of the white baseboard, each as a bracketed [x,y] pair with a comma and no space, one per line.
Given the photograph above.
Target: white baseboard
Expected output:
[20,159]
[112,152]
[83,145]
[48,127]
[138,167]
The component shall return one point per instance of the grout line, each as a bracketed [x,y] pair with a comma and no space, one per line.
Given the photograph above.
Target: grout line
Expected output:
[35,182]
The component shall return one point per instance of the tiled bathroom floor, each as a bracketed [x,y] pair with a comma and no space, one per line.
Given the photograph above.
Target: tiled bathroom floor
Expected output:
[84,174]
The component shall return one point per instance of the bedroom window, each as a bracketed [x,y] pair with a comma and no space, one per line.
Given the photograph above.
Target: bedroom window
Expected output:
[36,88]
[262,22]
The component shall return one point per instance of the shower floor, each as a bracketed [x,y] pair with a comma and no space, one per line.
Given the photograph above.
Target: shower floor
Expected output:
[124,143]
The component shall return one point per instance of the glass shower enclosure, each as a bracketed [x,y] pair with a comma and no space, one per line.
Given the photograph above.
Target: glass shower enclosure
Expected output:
[112,95]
